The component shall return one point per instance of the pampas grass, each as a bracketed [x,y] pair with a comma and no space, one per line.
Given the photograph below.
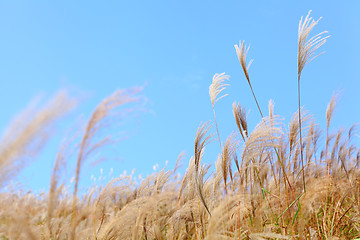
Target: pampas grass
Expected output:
[216,87]
[256,189]
[306,50]
[28,132]
[89,144]
[242,51]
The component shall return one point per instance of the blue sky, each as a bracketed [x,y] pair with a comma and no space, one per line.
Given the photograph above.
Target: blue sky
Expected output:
[175,48]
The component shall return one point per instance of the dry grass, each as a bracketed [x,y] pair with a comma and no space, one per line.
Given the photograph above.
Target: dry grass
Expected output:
[28,132]
[255,191]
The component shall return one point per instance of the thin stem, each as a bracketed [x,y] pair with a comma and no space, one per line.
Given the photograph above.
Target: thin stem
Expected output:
[327,152]
[217,129]
[256,100]
[301,149]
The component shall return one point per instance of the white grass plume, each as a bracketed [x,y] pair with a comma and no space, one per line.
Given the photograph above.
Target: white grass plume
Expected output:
[241,52]
[306,48]
[217,86]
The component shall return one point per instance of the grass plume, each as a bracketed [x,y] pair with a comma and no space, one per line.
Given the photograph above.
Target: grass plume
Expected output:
[28,132]
[306,50]
[216,87]
[89,143]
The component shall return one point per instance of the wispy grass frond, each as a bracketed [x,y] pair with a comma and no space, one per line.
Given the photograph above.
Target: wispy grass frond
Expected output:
[240,118]
[228,151]
[201,140]
[89,143]
[329,114]
[29,132]
[330,108]
[54,191]
[187,182]
[306,48]
[199,185]
[241,52]
[294,128]
[271,108]
[217,86]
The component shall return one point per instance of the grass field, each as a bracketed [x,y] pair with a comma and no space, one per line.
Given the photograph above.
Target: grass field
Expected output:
[278,181]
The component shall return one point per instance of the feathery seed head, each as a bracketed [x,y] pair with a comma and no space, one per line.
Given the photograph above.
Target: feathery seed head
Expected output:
[241,52]
[330,108]
[306,48]
[271,108]
[240,118]
[201,140]
[217,86]
[228,151]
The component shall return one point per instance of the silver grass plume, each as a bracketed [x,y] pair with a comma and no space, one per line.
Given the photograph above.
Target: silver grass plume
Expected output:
[306,49]
[241,52]
[200,142]
[217,86]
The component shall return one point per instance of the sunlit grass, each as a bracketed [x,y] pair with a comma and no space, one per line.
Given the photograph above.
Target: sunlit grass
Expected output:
[273,182]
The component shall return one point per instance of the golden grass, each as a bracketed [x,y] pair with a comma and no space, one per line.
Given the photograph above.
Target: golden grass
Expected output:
[256,189]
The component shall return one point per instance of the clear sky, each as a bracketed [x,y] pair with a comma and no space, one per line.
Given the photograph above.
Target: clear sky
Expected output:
[175,47]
